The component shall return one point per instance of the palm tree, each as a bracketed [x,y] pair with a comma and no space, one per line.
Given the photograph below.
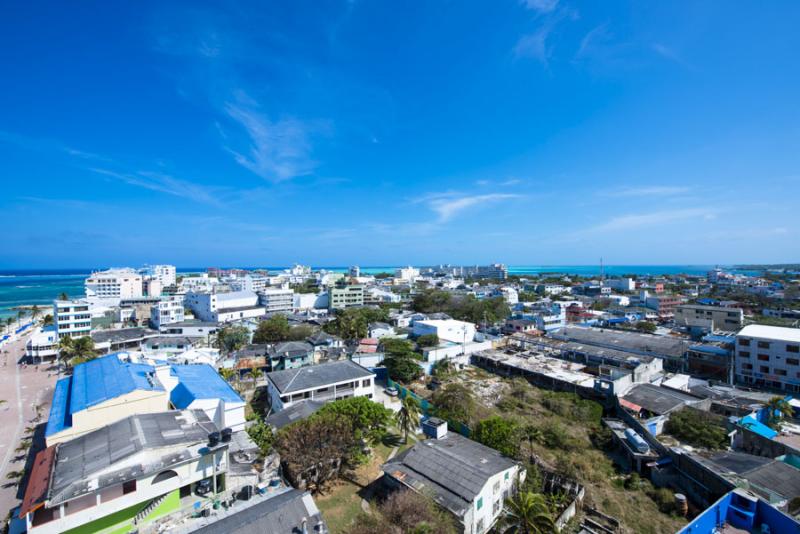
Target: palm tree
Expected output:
[63,296]
[227,374]
[532,433]
[778,410]
[83,350]
[35,312]
[408,416]
[527,513]
[20,315]
[47,320]
[9,322]
[256,373]
[66,349]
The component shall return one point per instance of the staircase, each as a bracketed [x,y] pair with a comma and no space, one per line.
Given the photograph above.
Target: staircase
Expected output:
[149,508]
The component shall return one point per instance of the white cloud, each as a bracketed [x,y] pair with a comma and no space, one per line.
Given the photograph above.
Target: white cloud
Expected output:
[164,183]
[449,205]
[635,221]
[534,45]
[646,191]
[542,6]
[278,151]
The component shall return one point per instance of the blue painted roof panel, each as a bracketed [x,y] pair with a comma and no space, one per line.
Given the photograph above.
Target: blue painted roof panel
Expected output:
[107,378]
[759,428]
[60,415]
[200,382]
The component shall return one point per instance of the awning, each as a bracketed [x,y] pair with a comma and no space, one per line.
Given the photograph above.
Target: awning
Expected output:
[629,405]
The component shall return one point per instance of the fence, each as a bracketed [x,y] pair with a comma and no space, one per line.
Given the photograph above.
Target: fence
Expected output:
[428,408]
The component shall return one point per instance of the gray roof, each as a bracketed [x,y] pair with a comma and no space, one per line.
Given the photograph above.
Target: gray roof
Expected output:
[191,323]
[316,376]
[658,400]
[321,338]
[81,459]
[375,325]
[173,340]
[122,335]
[281,514]
[765,475]
[453,469]
[634,342]
[291,347]
[293,413]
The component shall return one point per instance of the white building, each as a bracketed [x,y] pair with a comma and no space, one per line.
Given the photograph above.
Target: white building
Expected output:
[42,345]
[768,357]
[276,300]
[72,318]
[224,307]
[445,329]
[310,301]
[250,282]
[323,383]
[377,295]
[109,287]
[621,284]
[467,478]
[166,274]
[167,311]
[199,283]
[408,274]
[510,295]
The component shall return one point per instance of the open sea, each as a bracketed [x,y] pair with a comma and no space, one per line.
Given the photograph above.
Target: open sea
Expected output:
[42,286]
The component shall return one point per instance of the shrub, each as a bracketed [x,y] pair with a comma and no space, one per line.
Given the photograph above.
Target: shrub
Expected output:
[697,428]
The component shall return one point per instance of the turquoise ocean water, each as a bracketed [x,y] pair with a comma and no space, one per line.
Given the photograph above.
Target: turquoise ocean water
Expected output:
[27,287]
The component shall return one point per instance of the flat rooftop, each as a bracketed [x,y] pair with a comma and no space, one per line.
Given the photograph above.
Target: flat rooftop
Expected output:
[565,371]
[779,333]
[657,399]
[625,341]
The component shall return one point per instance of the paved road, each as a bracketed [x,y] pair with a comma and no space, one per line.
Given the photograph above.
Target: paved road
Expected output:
[22,389]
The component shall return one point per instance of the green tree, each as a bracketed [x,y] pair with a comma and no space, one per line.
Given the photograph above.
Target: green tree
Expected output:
[83,350]
[454,402]
[301,332]
[778,409]
[499,433]
[407,417]
[227,374]
[232,338]
[428,340]
[35,312]
[368,419]
[9,322]
[63,296]
[527,513]
[262,435]
[432,301]
[256,374]
[47,320]
[276,328]
[646,327]
[66,349]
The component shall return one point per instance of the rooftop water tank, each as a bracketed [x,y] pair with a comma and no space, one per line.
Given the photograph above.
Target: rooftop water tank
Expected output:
[636,441]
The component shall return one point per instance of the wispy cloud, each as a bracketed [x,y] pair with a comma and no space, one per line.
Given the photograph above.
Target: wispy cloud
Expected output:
[48,145]
[534,45]
[278,150]
[636,221]
[165,183]
[591,41]
[542,6]
[668,53]
[448,205]
[647,191]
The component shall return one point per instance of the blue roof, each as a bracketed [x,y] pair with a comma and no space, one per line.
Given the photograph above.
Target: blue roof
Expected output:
[752,424]
[60,416]
[95,382]
[199,382]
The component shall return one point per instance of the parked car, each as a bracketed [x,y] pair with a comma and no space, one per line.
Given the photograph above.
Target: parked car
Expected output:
[392,391]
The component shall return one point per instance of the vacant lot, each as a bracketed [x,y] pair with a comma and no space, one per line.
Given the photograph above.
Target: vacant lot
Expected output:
[568,437]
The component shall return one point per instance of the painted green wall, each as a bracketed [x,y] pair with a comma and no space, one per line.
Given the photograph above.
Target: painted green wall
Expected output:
[122,521]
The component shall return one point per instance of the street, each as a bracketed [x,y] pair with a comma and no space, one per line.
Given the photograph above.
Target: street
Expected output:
[22,389]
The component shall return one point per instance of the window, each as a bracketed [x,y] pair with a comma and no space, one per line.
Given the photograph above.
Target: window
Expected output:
[763,344]
[780,372]
[497,486]
[496,507]
[506,477]
[792,361]
[763,357]
[793,348]
[366,383]
[479,504]
[744,354]
[480,526]
[129,487]
[764,369]
[747,366]
[744,342]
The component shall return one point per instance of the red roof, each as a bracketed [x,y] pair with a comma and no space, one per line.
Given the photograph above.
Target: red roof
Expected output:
[630,405]
[367,348]
[369,341]
[39,481]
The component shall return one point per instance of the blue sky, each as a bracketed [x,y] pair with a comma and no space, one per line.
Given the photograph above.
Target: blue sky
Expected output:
[380,133]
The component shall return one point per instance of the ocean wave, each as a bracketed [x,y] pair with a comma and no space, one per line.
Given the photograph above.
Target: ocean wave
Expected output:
[25,287]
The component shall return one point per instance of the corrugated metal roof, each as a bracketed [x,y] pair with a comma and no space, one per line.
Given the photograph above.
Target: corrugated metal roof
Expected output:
[39,481]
